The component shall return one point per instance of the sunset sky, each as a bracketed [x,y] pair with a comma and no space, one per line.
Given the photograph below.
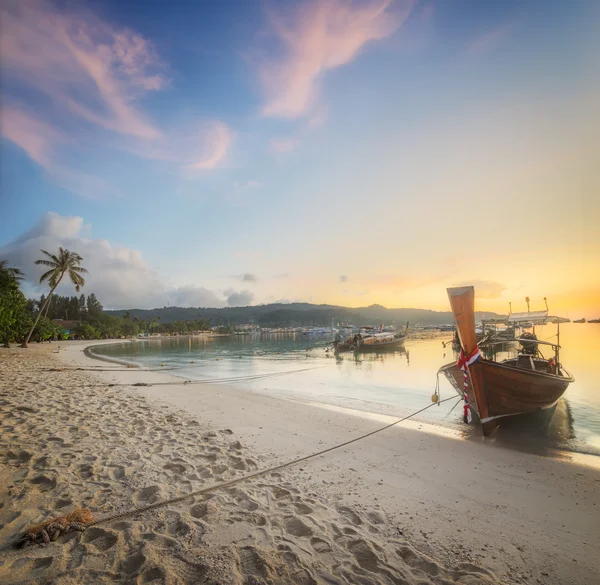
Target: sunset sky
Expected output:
[330,151]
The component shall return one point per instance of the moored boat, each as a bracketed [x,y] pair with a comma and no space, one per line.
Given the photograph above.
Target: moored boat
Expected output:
[493,390]
[369,340]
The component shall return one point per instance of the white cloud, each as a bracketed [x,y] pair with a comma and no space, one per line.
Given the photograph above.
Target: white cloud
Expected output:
[119,276]
[241,298]
[194,296]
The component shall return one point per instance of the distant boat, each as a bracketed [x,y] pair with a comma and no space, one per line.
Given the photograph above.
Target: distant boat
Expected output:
[498,390]
[594,321]
[582,320]
[320,331]
[369,340]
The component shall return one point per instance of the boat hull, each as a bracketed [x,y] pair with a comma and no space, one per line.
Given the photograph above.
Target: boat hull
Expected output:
[363,348]
[505,391]
[382,346]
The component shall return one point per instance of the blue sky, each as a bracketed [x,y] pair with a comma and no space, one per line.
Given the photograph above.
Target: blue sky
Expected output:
[335,151]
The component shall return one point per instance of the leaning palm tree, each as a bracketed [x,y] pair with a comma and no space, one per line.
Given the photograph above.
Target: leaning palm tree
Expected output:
[64,263]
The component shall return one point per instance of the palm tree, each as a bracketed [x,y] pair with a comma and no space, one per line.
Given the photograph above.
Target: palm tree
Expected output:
[64,263]
[9,272]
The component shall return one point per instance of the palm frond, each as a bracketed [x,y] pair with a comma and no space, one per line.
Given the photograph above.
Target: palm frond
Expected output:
[51,256]
[80,269]
[48,275]
[45,263]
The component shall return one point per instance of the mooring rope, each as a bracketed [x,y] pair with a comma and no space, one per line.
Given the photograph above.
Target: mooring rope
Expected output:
[256,474]
[205,380]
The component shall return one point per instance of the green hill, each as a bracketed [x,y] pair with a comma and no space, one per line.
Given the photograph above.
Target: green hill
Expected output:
[297,314]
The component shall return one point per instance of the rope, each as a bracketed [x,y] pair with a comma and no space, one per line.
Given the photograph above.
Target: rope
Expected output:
[235,481]
[207,380]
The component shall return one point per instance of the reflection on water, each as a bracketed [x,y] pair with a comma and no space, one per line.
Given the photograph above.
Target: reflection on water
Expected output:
[386,383]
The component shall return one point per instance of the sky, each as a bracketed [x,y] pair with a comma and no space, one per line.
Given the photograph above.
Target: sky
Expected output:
[330,151]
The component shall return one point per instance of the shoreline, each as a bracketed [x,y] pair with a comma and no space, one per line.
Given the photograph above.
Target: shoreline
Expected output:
[432,497]
[579,456]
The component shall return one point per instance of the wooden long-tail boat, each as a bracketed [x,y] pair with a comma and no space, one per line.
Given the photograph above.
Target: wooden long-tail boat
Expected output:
[496,390]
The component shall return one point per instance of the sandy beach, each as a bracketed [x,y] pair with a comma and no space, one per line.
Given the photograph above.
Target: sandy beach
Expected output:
[409,505]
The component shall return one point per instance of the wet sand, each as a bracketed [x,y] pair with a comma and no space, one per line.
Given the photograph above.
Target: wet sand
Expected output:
[403,506]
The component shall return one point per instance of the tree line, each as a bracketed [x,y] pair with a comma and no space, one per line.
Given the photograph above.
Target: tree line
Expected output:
[23,320]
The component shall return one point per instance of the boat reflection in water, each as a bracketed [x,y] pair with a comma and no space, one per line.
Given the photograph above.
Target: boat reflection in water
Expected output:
[542,432]
[373,356]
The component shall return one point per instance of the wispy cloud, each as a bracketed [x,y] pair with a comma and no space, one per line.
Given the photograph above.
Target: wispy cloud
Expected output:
[33,136]
[87,78]
[487,40]
[79,61]
[216,142]
[316,37]
[246,277]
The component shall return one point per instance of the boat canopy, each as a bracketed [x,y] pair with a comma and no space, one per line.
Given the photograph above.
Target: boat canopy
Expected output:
[533,316]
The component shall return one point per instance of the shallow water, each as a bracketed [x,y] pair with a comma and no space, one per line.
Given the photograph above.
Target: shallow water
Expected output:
[392,383]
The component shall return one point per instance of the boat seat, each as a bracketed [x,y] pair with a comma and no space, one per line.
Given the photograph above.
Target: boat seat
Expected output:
[525,362]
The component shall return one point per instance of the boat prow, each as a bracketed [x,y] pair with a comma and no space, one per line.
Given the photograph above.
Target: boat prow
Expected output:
[497,390]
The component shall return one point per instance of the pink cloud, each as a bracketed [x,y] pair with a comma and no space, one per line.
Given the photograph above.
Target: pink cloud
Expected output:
[80,68]
[319,36]
[82,63]
[216,142]
[485,41]
[33,136]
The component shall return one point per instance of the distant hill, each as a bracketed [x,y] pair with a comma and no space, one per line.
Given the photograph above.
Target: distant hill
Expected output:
[298,314]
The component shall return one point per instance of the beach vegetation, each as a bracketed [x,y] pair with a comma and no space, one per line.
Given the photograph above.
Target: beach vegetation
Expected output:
[63,263]
[15,318]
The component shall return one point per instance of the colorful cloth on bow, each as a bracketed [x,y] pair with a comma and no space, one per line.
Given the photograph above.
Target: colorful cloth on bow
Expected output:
[464,361]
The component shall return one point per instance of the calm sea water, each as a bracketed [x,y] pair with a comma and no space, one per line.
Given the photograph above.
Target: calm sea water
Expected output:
[385,383]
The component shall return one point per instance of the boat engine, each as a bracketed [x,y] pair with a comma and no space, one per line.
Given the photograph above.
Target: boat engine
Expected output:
[530,346]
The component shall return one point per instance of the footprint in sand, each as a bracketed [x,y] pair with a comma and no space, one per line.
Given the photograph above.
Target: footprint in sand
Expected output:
[35,566]
[249,505]
[152,575]
[321,546]
[199,510]
[302,509]
[296,527]
[86,471]
[41,462]
[62,503]
[279,493]
[133,563]
[350,515]
[238,463]
[418,561]
[100,538]
[252,564]
[43,482]
[175,467]
[117,472]
[148,494]
[365,555]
